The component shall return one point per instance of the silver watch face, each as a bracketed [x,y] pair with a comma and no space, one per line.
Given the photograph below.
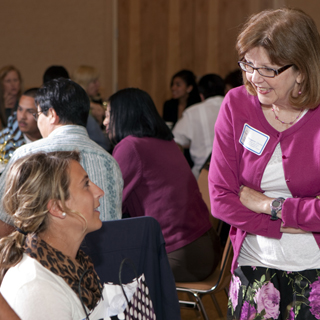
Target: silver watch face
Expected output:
[276,203]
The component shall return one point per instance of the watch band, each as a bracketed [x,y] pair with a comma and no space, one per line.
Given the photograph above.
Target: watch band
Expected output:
[274,215]
[276,206]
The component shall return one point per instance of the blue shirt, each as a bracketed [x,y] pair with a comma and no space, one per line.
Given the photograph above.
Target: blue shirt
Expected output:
[102,168]
[12,137]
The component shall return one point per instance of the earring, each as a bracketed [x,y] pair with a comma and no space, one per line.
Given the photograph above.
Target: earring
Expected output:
[64,214]
[299,92]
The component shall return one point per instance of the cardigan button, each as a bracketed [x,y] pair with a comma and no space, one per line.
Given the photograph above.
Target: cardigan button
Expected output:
[284,157]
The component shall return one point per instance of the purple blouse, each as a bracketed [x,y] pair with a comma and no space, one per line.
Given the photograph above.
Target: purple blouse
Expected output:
[158,182]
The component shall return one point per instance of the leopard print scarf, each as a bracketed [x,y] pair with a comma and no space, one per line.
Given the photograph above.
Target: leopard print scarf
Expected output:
[66,268]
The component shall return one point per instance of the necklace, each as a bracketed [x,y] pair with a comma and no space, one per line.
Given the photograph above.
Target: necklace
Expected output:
[290,123]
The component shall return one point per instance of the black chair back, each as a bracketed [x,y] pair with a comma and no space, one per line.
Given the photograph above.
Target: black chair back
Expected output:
[141,240]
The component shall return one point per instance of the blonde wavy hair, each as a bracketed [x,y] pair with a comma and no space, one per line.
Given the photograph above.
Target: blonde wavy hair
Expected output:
[83,75]
[31,183]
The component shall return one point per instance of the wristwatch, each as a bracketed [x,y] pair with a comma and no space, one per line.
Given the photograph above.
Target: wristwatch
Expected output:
[276,206]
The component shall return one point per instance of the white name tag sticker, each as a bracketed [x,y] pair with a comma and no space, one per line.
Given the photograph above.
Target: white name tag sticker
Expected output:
[253,139]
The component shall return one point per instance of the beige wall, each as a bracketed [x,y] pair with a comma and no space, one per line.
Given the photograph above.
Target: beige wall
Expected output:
[159,38]
[36,34]
[311,7]
[156,38]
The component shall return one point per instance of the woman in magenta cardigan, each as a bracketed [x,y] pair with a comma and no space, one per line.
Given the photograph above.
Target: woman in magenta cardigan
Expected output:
[265,169]
[158,182]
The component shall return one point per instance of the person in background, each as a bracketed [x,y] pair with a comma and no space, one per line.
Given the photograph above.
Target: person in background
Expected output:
[159,183]
[10,91]
[184,94]
[63,108]
[94,130]
[264,171]
[26,116]
[88,78]
[195,130]
[233,80]
[22,127]
[55,72]
[53,204]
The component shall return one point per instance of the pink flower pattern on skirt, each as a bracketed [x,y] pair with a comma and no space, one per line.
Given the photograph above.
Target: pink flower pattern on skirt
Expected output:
[268,298]
[291,314]
[234,290]
[260,292]
[248,312]
[314,298]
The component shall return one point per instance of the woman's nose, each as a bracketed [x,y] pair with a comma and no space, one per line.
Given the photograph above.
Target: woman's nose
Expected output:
[256,76]
[98,192]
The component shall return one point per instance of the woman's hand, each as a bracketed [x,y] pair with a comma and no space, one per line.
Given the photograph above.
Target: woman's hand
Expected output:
[255,200]
[292,230]
[9,100]
[260,203]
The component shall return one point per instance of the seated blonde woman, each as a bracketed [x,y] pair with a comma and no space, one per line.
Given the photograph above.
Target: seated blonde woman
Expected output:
[88,78]
[54,205]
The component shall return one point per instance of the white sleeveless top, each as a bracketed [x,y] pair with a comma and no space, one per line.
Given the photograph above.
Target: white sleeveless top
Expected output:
[293,252]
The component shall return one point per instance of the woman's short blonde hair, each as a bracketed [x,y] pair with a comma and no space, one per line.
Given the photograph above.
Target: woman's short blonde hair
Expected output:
[83,75]
[289,36]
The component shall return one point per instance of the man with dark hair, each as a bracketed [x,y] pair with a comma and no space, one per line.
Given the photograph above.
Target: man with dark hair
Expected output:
[233,80]
[63,108]
[195,130]
[94,130]
[22,127]
[26,116]
[55,72]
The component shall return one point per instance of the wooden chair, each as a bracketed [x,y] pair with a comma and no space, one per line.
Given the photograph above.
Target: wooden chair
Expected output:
[204,189]
[219,280]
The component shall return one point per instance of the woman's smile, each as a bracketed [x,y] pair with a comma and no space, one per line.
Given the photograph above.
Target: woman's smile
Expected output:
[271,91]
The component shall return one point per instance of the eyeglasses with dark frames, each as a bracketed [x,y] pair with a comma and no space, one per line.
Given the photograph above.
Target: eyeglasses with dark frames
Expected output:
[36,115]
[263,71]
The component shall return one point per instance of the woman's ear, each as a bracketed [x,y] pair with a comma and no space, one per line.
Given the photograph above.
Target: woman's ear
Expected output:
[299,78]
[55,209]
[189,88]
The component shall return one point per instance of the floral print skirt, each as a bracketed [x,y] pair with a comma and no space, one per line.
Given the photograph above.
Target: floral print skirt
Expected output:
[258,293]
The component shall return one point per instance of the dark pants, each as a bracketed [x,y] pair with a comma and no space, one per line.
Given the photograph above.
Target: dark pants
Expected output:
[197,260]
